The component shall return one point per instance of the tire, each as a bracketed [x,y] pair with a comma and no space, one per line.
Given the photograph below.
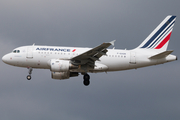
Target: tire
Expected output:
[86,82]
[28,77]
[86,77]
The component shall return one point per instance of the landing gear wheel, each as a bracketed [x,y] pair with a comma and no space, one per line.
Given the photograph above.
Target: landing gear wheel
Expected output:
[86,77]
[86,80]
[30,72]
[28,77]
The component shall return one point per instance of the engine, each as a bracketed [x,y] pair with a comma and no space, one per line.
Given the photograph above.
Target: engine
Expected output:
[57,65]
[60,69]
[63,75]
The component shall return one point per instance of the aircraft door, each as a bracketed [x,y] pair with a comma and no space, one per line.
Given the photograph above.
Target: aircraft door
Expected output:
[29,52]
[133,58]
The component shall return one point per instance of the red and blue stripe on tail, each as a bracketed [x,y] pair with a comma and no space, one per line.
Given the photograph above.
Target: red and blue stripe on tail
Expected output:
[160,37]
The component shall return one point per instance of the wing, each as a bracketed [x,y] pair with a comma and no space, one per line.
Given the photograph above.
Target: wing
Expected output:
[89,57]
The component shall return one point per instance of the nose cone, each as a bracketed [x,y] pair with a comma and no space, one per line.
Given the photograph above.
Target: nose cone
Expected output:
[6,58]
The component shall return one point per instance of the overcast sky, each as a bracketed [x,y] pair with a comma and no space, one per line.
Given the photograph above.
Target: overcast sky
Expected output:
[150,93]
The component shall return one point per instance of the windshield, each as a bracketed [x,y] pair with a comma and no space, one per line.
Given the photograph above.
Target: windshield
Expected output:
[16,51]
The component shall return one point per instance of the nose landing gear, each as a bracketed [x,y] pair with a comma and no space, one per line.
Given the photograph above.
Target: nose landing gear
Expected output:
[30,72]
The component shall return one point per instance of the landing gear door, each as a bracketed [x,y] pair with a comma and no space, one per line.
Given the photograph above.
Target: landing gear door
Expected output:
[133,58]
[29,52]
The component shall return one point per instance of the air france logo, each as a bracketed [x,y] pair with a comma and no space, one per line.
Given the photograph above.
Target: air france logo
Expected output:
[74,50]
[54,49]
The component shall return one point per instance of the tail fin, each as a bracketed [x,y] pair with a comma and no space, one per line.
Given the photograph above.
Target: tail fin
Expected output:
[160,36]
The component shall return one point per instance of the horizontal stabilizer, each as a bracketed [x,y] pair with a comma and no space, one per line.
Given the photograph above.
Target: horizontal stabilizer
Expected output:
[161,55]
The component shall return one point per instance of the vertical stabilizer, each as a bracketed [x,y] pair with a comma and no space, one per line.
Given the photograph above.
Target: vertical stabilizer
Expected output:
[159,38]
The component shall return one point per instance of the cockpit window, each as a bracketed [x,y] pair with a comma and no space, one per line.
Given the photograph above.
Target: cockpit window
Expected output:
[16,51]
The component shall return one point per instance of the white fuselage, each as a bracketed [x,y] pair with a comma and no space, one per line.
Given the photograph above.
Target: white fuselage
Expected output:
[114,60]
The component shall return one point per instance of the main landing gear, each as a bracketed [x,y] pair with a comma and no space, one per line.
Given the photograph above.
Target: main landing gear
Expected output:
[30,72]
[86,79]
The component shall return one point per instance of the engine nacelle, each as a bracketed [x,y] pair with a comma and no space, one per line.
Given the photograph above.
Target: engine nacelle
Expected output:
[63,75]
[57,65]
[60,75]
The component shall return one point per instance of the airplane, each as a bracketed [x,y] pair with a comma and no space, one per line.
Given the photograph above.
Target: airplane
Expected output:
[66,62]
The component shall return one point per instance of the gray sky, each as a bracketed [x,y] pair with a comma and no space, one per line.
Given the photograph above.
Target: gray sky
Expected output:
[150,93]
